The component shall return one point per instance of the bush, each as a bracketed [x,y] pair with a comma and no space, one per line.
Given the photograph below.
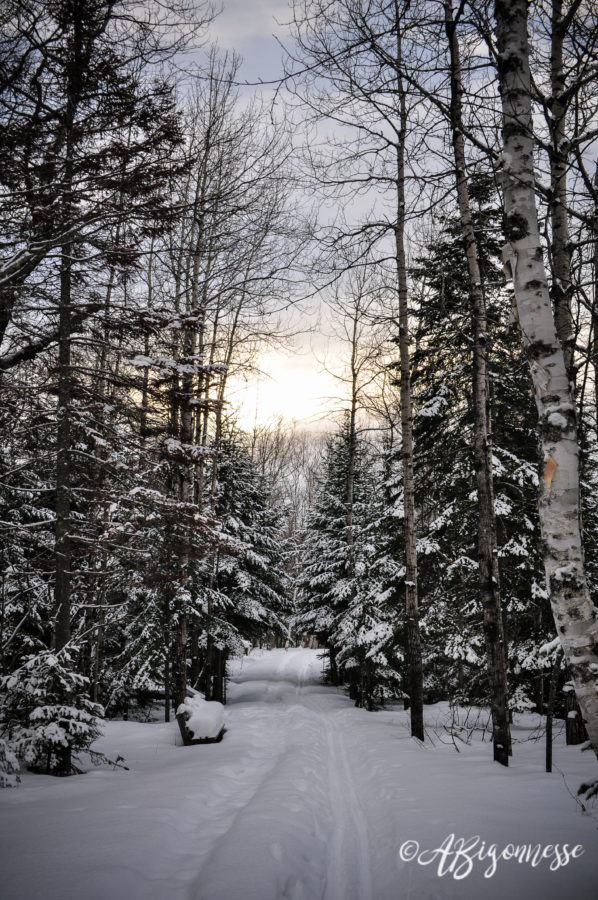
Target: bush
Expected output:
[9,767]
[47,715]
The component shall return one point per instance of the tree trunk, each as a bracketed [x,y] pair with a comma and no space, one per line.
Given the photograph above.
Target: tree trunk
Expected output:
[574,612]
[62,551]
[550,710]
[575,732]
[333,666]
[186,497]
[350,479]
[560,289]
[487,549]
[595,298]
[414,658]
[167,678]
[180,660]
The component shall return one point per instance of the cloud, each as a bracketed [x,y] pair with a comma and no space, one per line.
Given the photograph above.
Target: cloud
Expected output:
[248,26]
[243,21]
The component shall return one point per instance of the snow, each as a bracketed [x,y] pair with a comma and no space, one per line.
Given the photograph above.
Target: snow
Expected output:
[193,452]
[557,420]
[502,506]
[305,798]
[205,718]
[563,572]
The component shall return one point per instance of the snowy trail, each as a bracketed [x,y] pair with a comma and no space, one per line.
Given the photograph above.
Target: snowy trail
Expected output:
[349,876]
[315,748]
[306,798]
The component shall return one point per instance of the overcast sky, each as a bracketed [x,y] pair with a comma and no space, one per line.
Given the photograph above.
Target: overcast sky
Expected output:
[249,26]
[294,384]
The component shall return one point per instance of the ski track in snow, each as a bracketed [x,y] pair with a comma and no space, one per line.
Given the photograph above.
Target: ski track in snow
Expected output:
[347,872]
[349,876]
[306,798]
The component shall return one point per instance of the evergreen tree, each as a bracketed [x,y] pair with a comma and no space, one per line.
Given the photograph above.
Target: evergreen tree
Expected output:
[446,485]
[349,585]
[46,715]
[253,580]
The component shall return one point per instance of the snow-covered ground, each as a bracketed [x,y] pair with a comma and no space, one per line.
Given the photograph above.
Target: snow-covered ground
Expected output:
[305,798]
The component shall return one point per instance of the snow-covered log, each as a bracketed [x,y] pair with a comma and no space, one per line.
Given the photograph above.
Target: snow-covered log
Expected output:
[200,721]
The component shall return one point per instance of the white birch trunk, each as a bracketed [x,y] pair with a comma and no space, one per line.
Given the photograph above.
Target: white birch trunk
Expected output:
[574,613]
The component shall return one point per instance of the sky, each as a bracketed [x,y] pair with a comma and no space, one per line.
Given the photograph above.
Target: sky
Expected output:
[294,385]
[249,26]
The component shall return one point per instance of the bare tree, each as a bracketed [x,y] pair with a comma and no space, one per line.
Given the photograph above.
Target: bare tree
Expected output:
[124,123]
[487,545]
[223,278]
[353,56]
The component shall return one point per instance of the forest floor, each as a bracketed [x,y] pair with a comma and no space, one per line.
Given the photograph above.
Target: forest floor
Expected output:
[305,798]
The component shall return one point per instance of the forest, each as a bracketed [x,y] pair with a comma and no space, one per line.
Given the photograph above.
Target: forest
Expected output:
[424,176]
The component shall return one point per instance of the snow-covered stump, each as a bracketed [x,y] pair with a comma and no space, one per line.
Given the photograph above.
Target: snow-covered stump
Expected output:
[200,721]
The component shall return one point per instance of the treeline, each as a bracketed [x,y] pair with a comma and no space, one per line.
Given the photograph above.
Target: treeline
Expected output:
[353,579]
[148,245]
[465,134]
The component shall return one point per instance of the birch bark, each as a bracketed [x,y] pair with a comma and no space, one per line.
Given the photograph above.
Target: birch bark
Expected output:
[574,612]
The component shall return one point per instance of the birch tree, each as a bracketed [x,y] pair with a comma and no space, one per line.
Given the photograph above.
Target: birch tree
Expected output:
[574,612]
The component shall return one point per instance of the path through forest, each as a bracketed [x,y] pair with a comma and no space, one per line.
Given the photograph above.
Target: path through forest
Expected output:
[306,798]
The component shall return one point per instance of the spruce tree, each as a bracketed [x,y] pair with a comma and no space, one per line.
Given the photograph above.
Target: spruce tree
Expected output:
[446,486]
[350,579]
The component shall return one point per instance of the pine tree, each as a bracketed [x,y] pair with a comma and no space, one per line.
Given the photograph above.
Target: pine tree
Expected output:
[446,487]
[46,714]
[349,585]
[252,581]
